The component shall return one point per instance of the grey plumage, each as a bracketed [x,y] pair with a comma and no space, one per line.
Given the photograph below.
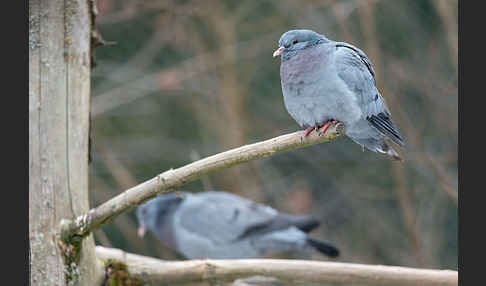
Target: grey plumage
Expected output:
[222,225]
[324,80]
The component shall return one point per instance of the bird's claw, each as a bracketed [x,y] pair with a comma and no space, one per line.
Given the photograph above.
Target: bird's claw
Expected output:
[326,125]
[306,132]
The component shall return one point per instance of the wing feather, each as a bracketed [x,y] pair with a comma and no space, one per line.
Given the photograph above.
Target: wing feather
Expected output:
[356,70]
[222,217]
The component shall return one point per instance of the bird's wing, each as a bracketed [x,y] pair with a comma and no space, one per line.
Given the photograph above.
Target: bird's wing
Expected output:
[356,70]
[221,217]
[280,222]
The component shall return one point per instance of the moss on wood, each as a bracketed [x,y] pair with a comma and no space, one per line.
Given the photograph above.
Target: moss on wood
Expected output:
[116,274]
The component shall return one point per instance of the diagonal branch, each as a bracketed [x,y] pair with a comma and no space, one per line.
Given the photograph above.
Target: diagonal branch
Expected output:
[154,271]
[174,178]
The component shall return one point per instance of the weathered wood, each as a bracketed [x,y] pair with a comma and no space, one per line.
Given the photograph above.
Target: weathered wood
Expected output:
[155,271]
[59,83]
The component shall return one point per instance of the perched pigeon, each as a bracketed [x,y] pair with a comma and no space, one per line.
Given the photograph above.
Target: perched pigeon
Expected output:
[221,225]
[325,81]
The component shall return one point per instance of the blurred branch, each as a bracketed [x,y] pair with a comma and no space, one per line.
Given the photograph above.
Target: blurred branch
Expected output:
[408,214]
[446,13]
[341,12]
[444,179]
[367,20]
[124,179]
[174,76]
[103,238]
[232,104]
[118,171]
[145,56]
[423,156]
[154,271]
[174,178]
[442,176]
[207,185]
[366,13]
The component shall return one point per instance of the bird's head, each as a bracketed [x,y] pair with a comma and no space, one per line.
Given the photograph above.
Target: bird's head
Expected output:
[295,40]
[153,214]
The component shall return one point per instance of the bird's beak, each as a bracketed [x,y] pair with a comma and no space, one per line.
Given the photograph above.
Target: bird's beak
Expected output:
[141,231]
[278,52]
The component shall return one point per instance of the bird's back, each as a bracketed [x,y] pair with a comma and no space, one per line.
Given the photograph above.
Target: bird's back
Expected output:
[220,225]
[208,225]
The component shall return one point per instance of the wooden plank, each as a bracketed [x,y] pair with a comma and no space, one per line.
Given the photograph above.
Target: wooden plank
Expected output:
[59,91]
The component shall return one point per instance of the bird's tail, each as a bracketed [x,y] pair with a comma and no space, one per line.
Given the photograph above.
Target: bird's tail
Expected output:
[386,149]
[305,223]
[379,145]
[323,247]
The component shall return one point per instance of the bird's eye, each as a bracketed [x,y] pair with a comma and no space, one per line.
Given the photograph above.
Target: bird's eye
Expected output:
[295,42]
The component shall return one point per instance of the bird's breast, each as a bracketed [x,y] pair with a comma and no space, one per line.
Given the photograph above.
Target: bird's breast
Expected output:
[313,92]
[303,64]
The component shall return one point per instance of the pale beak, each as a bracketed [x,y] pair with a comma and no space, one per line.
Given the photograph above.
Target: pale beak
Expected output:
[141,231]
[278,52]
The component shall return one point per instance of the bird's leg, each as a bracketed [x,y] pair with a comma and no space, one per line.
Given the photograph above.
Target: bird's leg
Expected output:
[326,125]
[318,128]
[308,130]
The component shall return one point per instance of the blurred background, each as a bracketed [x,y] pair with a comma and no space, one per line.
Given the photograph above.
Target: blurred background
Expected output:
[189,79]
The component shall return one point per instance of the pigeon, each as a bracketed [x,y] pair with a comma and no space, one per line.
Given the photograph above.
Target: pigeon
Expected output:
[221,225]
[324,82]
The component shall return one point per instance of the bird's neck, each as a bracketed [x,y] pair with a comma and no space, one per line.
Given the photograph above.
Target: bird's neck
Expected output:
[290,53]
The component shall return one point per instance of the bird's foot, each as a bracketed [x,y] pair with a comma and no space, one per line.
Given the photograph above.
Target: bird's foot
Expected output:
[326,125]
[306,132]
[320,129]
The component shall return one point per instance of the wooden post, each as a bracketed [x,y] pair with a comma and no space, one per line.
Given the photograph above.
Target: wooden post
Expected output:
[59,92]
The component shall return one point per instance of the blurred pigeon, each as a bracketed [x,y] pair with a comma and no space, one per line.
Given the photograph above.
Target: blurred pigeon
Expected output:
[221,225]
[325,81]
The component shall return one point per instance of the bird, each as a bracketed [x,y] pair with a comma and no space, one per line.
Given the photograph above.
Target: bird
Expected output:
[221,225]
[325,82]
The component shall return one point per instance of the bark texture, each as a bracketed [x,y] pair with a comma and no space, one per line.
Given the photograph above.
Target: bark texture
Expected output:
[59,91]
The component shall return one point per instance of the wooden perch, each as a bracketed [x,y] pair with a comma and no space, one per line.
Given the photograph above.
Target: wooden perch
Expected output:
[155,271]
[173,178]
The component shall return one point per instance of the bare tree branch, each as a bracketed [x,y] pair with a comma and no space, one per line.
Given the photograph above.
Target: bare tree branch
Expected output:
[173,178]
[155,271]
